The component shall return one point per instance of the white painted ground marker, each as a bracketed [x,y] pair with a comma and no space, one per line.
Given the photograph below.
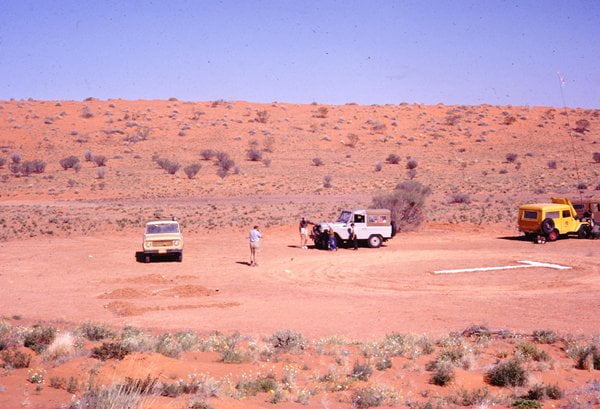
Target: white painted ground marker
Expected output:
[525,264]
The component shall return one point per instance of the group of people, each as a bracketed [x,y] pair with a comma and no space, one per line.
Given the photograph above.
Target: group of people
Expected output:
[255,236]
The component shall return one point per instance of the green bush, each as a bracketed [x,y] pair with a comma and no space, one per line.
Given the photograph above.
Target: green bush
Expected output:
[526,404]
[406,202]
[287,341]
[589,357]
[38,337]
[507,373]
[95,332]
[443,373]
[545,336]
[363,398]
[362,372]
[110,350]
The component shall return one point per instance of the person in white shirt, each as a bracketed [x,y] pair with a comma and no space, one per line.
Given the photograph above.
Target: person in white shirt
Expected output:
[255,237]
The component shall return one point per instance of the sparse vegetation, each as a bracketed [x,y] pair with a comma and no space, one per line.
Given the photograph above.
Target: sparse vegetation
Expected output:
[317,161]
[99,160]
[393,159]
[459,198]
[327,181]
[596,157]
[511,157]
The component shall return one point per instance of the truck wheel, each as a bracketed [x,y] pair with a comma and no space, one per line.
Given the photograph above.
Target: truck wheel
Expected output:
[180,257]
[548,226]
[147,258]
[552,236]
[374,241]
[583,232]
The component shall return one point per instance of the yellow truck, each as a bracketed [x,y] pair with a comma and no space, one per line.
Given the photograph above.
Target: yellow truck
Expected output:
[552,220]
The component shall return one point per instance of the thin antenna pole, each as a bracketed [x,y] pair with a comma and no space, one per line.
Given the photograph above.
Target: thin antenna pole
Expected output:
[561,81]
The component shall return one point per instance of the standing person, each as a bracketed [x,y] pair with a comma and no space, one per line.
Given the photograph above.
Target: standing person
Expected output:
[353,236]
[255,237]
[331,236]
[303,228]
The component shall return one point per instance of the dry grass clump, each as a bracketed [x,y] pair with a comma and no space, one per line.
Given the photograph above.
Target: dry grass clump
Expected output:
[14,359]
[288,341]
[192,170]
[95,331]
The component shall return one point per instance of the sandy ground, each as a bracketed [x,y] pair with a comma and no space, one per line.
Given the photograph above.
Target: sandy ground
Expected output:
[357,294]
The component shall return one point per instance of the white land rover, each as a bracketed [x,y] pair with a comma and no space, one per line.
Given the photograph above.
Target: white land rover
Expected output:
[373,225]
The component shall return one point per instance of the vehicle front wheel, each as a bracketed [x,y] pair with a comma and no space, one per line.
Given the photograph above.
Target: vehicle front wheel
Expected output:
[552,236]
[584,232]
[374,241]
[180,257]
[147,258]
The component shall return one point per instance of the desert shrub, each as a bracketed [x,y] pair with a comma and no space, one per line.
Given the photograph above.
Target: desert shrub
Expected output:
[521,403]
[582,186]
[266,162]
[168,345]
[545,336]
[192,170]
[99,160]
[443,373]
[551,164]
[361,371]
[254,154]
[352,140]
[553,392]
[406,203]
[459,198]
[475,397]
[207,154]
[14,359]
[15,168]
[88,155]
[582,126]
[61,349]
[383,363]
[38,337]
[250,387]
[2,162]
[322,112]
[507,373]
[368,397]
[101,173]
[16,157]
[530,351]
[378,166]
[411,164]
[317,161]
[71,385]
[596,157]
[110,350]
[287,341]
[262,116]
[114,396]
[509,119]
[95,332]
[588,357]
[327,181]
[511,157]
[33,166]
[69,162]
[393,159]
[86,112]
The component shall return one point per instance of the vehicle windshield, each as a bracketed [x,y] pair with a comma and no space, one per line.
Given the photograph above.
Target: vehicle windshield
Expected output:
[162,228]
[344,217]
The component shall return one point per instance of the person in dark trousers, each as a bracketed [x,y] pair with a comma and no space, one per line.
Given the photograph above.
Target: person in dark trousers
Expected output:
[352,236]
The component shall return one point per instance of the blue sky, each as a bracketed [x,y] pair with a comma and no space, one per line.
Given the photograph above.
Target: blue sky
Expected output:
[334,52]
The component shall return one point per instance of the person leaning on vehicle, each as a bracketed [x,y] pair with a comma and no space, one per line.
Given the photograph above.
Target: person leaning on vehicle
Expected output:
[303,228]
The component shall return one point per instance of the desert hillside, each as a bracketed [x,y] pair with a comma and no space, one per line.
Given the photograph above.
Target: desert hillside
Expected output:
[272,162]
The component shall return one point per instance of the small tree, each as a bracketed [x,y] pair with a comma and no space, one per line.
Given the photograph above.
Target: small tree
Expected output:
[352,140]
[192,170]
[582,126]
[207,154]
[254,155]
[412,164]
[69,162]
[406,203]
[322,112]
[99,160]
[393,159]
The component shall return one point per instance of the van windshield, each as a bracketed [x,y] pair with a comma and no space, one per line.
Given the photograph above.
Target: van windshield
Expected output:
[162,228]
[344,217]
